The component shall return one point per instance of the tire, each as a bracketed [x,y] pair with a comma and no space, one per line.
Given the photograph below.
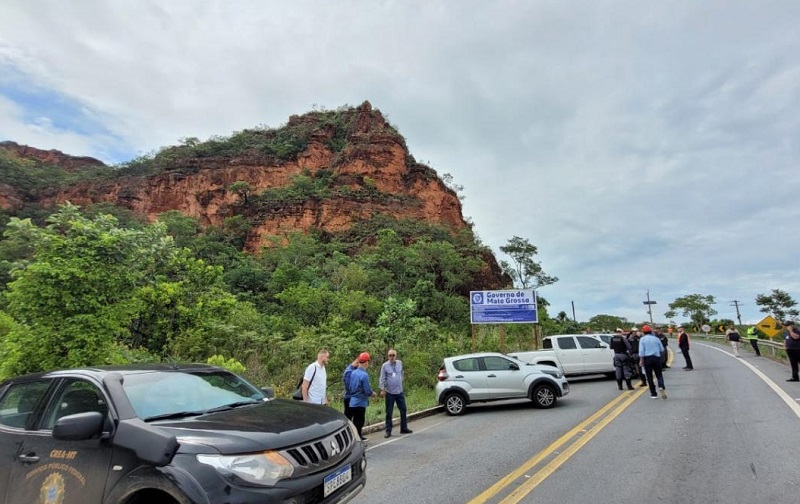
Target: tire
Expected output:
[544,396]
[454,404]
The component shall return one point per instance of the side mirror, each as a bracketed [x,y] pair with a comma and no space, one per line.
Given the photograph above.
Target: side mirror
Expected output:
[513,366]
[269,392]
[79,427]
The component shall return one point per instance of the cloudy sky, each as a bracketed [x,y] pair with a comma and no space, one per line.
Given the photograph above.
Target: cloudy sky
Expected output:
[640,145]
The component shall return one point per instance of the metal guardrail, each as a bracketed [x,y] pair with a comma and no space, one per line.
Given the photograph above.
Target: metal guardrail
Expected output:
[774,348]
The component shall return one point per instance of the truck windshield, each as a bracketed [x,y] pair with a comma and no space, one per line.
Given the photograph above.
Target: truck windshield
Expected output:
[167,393]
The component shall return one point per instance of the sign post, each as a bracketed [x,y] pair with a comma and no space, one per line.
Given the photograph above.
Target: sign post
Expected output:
[502,307]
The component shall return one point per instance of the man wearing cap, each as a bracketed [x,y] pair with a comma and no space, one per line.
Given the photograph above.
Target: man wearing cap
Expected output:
[683,344]
[792,343]
[622,350]
[315,380]
[360,393]
[391,385]
[650,350]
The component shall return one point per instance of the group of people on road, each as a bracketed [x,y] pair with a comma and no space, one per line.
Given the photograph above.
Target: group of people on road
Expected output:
[357,388]
[643,354]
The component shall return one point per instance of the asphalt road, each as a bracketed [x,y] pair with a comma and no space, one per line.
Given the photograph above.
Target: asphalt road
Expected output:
[728,432]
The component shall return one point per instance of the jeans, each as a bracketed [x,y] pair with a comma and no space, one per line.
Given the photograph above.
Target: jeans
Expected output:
[794,359]
[347,411]
[652,364]
[685,352]
[400,399]
[359,417]
[735,346]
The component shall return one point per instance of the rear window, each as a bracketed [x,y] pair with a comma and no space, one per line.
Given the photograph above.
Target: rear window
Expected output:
[18,403]
[470,364]
[567,343]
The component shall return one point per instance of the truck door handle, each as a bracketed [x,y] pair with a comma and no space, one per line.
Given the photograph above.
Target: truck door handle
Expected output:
[460,376]
[28,458]
[492,376]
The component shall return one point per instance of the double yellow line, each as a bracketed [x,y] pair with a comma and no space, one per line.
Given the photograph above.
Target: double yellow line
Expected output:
[577,437]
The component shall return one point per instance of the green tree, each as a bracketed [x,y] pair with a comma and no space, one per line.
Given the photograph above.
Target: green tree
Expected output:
[241,188]
[524,270]
[695,306]
[779,304]
[608,322]
[94,293]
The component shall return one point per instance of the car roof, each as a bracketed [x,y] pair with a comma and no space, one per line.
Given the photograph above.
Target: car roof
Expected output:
[98,372]
[479,354]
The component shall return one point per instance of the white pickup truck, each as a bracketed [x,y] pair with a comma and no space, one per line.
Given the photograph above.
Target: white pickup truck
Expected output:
[573,354]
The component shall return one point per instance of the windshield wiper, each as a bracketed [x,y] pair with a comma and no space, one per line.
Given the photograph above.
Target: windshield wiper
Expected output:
[234,405]
[177,414]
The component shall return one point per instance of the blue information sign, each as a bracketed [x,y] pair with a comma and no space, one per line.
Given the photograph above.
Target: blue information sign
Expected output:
[503,307]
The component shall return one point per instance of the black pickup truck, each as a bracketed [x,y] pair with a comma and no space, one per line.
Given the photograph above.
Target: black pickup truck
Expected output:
[163,434]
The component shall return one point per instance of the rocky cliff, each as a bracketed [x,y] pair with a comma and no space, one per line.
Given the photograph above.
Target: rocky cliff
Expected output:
[356,161]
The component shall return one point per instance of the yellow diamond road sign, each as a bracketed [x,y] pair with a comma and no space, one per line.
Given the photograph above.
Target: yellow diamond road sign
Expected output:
[770,326]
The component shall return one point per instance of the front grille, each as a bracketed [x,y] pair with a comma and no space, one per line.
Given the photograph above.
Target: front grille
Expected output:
[322,453]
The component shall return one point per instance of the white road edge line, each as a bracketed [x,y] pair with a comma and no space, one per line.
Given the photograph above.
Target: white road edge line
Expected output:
[795,407]
[398,438]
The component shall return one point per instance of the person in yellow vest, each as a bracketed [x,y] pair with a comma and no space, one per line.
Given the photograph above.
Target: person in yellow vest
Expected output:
[752,336]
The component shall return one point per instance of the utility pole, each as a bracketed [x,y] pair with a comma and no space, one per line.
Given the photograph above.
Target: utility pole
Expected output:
[649,306]
[573,312]
[735,303]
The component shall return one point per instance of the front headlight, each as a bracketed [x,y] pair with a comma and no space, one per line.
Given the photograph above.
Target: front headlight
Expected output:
[555,373]
[265,468]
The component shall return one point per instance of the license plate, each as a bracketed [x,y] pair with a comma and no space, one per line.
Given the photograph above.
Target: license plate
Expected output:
[336,480]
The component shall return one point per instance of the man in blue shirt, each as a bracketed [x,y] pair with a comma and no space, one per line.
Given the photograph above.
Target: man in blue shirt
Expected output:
[360,392]
[391,385]
[346,381]
[650,351]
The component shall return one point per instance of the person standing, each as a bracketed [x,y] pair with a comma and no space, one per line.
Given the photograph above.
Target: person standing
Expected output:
[315,380]
[733,336]
[792,343]
[650,350]
[391,385]
[346,381]
[360,393]
[634,338]
[665,342]
[752,336]
[622,348]
[683,344]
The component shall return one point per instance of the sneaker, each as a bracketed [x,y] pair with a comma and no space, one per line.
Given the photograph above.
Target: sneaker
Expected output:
[407,431]
[653,397]
[663,393]
[388,434]
[793,379]
[643,384]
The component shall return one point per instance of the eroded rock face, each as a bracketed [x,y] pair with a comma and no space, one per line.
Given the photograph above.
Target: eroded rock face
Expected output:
[372,160]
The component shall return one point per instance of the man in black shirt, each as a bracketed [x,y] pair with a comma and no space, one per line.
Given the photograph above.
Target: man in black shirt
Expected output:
[622,349]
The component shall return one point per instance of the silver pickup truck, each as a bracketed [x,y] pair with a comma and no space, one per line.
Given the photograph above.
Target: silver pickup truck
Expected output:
[573,354]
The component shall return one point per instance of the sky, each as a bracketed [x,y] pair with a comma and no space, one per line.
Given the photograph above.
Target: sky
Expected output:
[645,147]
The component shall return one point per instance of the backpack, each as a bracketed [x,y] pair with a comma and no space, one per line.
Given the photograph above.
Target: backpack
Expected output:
[298,394]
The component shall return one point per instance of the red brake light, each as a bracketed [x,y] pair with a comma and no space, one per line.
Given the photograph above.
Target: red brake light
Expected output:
[442,374]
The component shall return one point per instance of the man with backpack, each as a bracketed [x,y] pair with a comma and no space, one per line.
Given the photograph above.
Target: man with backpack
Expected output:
[315,380]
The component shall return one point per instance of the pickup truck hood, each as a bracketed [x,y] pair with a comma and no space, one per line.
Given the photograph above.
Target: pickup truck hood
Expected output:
[271,425]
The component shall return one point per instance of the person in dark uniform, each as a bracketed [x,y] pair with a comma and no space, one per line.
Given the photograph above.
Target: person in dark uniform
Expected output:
[633,338]
[622,350]
[664,341]
[683,344]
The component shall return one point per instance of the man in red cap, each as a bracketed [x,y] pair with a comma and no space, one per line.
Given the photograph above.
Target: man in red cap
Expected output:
[360,393]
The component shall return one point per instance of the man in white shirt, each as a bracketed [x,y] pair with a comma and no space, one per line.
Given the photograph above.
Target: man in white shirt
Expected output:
[315,380]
